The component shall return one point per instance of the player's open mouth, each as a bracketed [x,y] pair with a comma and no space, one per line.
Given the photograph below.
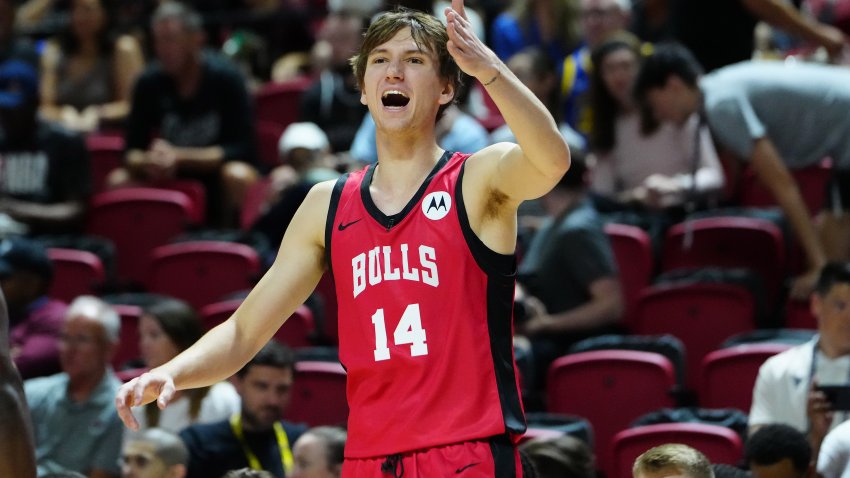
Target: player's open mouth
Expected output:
[394,99]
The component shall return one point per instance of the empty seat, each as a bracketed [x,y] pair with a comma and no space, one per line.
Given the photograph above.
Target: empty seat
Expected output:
[633,253]
[281,102]
[128,342]
[202,272]
[729,375]
[75,273]
[318,394]
[296,332]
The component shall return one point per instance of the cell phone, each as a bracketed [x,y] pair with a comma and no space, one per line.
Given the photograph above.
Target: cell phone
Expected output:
[838,395]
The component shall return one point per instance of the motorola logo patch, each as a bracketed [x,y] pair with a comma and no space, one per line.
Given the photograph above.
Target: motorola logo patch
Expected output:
[436,205]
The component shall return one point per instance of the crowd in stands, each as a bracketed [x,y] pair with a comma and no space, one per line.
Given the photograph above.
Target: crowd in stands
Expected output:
[698,129]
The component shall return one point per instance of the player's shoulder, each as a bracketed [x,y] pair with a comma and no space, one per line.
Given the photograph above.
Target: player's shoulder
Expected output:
[485,162]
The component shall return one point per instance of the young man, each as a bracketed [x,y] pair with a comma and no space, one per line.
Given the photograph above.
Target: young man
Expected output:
[154,453]
[421,247]
[672,461]
[779,451]
[773,116]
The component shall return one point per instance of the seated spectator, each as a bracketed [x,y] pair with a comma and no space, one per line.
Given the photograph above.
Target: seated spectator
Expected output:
[17,454]
[784,390]
[87,73]
[166,328]
[779,451]
[741,108]
[652,170]
[247,473]
[199,106]
[304,150]
[561,457]
[672,461]
[35,320]
[570,273]
[833,459]
[319,453]
[549,25]
[333,101]
[256,436]
[154,453]
[45,177]
[73,412]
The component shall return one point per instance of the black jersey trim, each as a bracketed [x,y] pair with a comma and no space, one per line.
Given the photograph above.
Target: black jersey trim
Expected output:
[389,221]
[488,260]
[504,456]
[329,222]
[500,307]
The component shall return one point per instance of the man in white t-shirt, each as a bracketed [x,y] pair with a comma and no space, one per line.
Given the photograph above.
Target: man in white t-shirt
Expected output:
[784,390]
[834,457]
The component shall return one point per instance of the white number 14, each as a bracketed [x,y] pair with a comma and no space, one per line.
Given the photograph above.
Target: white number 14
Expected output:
[408,331]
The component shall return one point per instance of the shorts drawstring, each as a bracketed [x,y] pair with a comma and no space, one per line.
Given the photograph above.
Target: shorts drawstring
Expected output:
[393,464]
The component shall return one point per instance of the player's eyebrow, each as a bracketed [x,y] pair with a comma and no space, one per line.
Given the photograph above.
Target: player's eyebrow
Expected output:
[409,51]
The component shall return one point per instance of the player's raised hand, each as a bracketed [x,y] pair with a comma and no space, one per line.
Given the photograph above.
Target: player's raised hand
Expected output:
[472,56]
[143,389]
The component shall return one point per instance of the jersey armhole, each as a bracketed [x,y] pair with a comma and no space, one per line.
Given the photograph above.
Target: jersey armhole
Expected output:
[329,222]
[490,261]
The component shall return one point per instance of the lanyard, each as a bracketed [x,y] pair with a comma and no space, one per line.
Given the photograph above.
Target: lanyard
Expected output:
[286,459]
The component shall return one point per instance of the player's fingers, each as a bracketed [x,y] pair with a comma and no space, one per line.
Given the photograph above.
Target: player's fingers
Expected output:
[123,407]
[166,394]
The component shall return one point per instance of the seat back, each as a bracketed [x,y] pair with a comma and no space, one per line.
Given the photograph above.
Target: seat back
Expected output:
[728,241]
[812,182]
[202,272]
[106,153]
[253,202]
[798,315]
[729,375]
[318,394]
[137,220]
[281,102]
[128,342]
[268,135]
[718,444]
[610,388]
[633,253]
[296,332]
[75,273]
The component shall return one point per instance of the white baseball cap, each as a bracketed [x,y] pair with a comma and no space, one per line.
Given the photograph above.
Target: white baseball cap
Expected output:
[302,135]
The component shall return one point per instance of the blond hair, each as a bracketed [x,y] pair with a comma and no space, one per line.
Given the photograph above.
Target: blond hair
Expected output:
[682,458]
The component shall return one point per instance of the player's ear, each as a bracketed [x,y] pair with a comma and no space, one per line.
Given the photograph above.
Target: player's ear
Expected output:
[448,93]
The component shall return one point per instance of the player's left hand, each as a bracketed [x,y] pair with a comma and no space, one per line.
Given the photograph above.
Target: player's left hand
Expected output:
[472,56]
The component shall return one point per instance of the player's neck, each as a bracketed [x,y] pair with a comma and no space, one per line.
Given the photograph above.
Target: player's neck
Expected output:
[403,165]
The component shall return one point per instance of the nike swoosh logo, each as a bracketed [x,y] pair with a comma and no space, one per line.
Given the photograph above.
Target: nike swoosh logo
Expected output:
[461,469]
[343,227]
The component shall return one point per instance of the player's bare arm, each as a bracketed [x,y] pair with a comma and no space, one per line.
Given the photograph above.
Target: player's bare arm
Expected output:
[226,348]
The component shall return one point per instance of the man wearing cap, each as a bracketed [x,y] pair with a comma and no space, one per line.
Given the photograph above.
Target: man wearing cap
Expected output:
[44,168]
[35,320]
[76,427]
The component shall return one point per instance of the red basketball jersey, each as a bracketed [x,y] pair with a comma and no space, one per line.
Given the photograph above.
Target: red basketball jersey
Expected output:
[425,318]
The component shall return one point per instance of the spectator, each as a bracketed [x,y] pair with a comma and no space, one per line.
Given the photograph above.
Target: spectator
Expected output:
[600,19]
[333,101]
[87,74]
[833,459]
[779,451]
[741,108]
[36,320]
[319,453]
[784,390]
[154,453]
[45,176]
[166,328]
[650,169]
[256,437]
[13,46]
[695,23]
[729,471]
[570,273]
[563,457]
[17,457]
[76,426]
[304,150]
[547,24]
[674,461]
[200,108]
[248,473]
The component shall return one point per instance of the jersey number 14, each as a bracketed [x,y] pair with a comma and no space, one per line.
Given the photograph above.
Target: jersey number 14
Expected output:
[408,331]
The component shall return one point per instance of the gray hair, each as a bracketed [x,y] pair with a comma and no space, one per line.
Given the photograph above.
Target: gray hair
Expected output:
[93,308]
[189,18]
[167,446]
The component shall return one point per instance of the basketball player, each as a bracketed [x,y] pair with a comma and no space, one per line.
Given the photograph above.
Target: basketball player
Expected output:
[17,457]
[421,248]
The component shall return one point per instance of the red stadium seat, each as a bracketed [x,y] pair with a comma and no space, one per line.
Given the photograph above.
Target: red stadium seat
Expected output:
[318,394]
[702,316]
[128,343]
[296,332]
[633,253]
[137,220]
[195,191]
[202,272]
[281,102]
[75,273]
[268,135]
[811,181]
[609,388]
[106,154]
[729,375]
[798,315]
[744,242]
[252,205]
[718,444]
